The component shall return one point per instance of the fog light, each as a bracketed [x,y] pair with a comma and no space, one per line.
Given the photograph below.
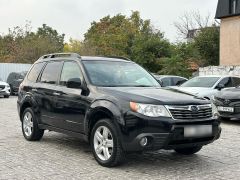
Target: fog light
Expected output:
[143,141]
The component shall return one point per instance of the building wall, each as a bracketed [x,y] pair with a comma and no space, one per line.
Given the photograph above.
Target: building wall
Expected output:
[7,68]
[219,70]
[230,41]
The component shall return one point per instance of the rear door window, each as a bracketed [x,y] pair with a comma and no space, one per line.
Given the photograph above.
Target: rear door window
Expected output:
[51,73]
[35,71]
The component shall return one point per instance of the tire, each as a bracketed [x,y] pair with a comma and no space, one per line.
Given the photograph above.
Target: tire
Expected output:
[6,96]
[115,153]
[188,151]
[11,90]
[30,129]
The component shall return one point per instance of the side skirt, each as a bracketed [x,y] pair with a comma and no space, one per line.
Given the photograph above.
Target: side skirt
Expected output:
[70,133]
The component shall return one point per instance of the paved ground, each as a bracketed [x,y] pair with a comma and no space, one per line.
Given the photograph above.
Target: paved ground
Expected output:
[61,157]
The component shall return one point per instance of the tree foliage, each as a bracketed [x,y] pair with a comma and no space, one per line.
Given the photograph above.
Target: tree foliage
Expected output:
[131,37]
[21,45]
[207,43]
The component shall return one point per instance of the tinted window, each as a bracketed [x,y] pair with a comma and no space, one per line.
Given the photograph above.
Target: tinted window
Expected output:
[201,82]
[51,72]
[236,81]
[178,81]
[70,70]
[34,73]
[227,82]
[166,82]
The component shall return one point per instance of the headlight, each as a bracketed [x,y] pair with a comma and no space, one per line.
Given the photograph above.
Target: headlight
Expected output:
[149,109]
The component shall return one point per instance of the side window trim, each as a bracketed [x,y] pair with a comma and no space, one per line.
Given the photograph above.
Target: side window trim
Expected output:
[40,74]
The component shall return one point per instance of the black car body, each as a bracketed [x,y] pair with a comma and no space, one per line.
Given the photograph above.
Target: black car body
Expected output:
[131,112]
[227,103]
[14,80]
[168,80]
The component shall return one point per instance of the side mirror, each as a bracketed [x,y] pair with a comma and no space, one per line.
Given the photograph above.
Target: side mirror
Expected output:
[74,83]
[220,87]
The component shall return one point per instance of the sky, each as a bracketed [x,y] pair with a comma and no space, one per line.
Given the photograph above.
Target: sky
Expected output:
[74,17]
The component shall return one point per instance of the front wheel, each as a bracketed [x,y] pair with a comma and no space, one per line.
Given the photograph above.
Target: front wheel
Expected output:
[188,151]
[105,144]
[6,96]
[30,129]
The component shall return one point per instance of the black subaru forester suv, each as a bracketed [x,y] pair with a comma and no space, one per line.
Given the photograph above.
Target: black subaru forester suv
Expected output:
[114,104]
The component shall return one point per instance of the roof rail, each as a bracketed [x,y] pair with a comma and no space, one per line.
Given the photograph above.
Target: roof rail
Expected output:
[55,55]
[119,57]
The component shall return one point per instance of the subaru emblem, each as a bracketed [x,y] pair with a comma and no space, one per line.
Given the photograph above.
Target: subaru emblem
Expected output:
[194,108]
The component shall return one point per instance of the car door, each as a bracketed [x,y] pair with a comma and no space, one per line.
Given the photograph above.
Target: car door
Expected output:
[45,92]
[71,105]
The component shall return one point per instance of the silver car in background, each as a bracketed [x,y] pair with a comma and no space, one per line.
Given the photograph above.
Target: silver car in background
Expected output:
[207,86]
[4,89]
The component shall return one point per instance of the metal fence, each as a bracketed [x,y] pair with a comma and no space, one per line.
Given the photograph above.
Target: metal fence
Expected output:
[7,68]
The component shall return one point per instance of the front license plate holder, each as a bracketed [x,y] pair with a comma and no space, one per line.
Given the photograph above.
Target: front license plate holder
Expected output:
[197,131]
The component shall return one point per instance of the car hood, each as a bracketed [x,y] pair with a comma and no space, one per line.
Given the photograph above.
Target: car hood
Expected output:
[230,93]
[154,95]
[195,90]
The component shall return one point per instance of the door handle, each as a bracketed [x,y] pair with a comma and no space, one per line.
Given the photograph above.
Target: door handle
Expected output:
[56,94]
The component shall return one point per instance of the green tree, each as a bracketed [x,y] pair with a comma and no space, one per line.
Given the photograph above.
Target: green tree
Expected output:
[131,37]
[21,45]
[207,43]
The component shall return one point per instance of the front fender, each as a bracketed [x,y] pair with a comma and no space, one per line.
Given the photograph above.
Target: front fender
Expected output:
[107,106]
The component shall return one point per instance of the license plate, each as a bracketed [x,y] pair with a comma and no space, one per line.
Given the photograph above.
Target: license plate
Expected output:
[198,131]
[225,109]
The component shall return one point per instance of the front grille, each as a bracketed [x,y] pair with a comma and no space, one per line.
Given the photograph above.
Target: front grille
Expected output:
[188,113]
[2,86]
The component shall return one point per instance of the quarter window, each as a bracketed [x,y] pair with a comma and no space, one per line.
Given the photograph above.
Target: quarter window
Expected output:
[51,72]
[35,71]
[70,71]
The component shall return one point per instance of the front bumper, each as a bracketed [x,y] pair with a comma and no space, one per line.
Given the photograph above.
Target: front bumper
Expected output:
[5,92]
[165,133]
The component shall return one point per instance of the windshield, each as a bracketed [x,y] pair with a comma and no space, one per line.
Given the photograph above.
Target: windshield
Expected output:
[201,82]
[118,74]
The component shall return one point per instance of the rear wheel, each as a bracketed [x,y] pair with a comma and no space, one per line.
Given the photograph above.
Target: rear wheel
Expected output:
[189,151]
[105,144]
[30,129]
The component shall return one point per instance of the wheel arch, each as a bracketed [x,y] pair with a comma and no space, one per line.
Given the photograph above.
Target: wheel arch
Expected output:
[99,110]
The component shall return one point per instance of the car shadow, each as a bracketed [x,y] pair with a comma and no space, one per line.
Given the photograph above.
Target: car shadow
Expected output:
[232,122]
[142,162]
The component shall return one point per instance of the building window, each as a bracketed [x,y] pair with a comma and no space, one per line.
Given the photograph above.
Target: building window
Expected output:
[233,6]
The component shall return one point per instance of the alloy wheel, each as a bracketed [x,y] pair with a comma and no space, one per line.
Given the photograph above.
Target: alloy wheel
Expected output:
[103,143]
[28,124]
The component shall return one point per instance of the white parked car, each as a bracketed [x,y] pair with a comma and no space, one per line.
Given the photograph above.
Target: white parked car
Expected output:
[4,89]
[207,86]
